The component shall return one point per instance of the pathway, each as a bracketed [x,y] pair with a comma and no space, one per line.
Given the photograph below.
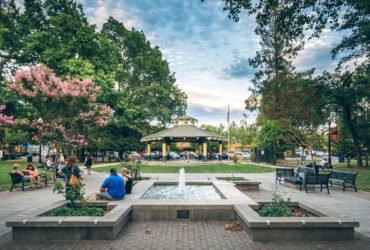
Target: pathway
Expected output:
[355,205]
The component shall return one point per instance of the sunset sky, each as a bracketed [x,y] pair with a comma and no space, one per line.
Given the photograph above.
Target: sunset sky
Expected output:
[207,51]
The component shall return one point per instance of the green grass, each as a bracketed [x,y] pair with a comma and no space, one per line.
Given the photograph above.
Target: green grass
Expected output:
[240,168]
[5,169]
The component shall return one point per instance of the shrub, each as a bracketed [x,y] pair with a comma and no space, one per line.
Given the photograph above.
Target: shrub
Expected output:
[73,194]
[78,211]
[279,207]
[133,163]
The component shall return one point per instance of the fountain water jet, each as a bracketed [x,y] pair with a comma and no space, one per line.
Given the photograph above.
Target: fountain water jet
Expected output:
[181,184]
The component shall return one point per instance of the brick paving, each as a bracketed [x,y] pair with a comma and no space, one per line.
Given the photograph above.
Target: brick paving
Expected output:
[182,235]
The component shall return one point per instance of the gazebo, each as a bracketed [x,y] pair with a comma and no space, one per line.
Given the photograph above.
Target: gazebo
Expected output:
[184,130]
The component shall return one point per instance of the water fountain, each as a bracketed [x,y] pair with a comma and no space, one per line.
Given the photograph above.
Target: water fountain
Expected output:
[170,191]
[181,184]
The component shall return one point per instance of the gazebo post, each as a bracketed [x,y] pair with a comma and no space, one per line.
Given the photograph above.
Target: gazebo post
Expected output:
[164,147]
[200,151]
[219,151]
[168,149]
[204,151]
[148,150]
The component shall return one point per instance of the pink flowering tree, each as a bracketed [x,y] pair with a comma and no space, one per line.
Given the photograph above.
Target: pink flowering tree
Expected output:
[65,109]
[4,119]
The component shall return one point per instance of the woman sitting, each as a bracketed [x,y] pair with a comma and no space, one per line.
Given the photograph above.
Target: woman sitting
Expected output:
[20,175]
[126,174]
[31,171]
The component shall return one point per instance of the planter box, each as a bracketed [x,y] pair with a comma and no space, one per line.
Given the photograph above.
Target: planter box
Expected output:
[41,227]
[317,227]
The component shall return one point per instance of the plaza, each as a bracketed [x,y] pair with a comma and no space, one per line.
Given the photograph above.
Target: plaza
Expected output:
[190,234]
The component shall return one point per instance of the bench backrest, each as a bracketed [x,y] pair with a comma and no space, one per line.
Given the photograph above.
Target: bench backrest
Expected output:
[16,177]
[348,176]
[312,178]
[284,172]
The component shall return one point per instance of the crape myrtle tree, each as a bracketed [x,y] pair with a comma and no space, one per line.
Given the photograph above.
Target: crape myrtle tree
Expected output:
[64,110]
[134,78]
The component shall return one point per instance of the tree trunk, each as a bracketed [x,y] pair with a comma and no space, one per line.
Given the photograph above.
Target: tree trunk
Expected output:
[57,157]
[355,137]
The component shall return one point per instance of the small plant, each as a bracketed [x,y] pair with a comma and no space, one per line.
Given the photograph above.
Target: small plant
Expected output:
[133,163]
[73,194]
[279,207]
[79,211]
[235,159]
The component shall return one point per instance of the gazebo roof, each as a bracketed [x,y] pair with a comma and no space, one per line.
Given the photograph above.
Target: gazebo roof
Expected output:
[184,133]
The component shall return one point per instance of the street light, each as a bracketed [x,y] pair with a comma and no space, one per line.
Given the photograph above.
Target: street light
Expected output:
[330,119]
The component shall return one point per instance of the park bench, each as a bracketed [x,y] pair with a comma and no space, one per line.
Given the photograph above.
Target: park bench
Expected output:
[317,179]
[343,178]
[17,180]
[282,173]
[299,176]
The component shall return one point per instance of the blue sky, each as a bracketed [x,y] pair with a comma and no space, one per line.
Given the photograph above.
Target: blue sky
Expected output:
[207,51]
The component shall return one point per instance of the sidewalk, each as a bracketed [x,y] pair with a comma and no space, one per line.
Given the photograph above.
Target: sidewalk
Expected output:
[355,205]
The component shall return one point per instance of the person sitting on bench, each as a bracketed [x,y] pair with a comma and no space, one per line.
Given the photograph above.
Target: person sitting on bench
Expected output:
[31,171]
[22,176]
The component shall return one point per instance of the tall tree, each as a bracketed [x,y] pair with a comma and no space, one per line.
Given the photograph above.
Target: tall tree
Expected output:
[350,94]
[312,16]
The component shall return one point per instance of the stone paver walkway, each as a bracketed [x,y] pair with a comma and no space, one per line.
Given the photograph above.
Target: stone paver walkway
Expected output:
[178,234]
[182,235]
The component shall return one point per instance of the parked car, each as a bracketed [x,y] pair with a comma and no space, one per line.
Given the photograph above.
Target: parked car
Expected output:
[134,153]
[192,155]
[174,155]
[246,155]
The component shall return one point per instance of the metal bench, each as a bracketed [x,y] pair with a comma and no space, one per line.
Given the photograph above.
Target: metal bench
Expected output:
[299,176]
[282,173]
[16,179]
[317,179]
[343,178]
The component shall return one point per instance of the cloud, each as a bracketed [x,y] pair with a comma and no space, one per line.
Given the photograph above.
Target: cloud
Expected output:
[238,69]
[216,116]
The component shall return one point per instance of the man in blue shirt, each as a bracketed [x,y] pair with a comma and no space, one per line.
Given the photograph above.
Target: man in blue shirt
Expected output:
[112,188]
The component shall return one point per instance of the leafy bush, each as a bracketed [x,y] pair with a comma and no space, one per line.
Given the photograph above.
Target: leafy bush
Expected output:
[279,207]
[73,194]
[78,211]
[133,163]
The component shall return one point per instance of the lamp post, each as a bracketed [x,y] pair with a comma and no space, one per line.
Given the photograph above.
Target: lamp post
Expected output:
[329,146]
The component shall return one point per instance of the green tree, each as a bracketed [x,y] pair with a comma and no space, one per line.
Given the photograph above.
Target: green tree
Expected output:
[309,18]
[274,137]
[349,93]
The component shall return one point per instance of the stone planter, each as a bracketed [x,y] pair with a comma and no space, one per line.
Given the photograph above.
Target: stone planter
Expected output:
[43,227]
[317,227]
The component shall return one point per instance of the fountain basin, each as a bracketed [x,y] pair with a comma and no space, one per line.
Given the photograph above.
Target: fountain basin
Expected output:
[171,191]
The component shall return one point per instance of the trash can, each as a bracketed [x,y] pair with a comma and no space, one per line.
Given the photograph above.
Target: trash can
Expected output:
[29,158]
[341,159]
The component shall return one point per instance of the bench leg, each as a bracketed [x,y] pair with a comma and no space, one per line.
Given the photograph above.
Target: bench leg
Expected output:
[354,185]
[22,186]
[11,188]
[306,188]
[327,187]
[320,187]
[344,186]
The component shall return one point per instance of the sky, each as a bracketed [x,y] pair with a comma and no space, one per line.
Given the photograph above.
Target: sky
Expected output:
[207,51]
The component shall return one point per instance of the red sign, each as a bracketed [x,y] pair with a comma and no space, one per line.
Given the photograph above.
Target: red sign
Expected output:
[334,134]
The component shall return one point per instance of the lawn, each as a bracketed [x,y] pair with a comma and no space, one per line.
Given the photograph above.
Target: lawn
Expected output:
[5,169]
[222,168]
